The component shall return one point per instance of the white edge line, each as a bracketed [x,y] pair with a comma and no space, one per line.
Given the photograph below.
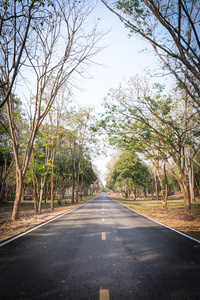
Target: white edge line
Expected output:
[34,228]
[177,231]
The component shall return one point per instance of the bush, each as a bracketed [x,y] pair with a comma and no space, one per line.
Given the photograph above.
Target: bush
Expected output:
[59,201]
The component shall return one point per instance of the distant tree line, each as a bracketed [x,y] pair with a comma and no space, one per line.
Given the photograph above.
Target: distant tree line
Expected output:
[60,162]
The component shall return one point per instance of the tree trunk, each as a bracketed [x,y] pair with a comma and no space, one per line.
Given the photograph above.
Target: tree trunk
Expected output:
[81,188]
[156,188]
[18,196]
[76,193]
[166,185]
[41,193]
[183,183]
[163,190]
[2,190]
[191,182]
[187,200]
[187,197]
[197,187]
[56,185]
[77,189]
[35,197]
[63,188]
[10,193]
[145,193]
[52,179]
[77,181]
[135,193]
[23,193]
[5,171]
[47,192]
[73,184]
[34,184]
[52,192]
[126,192]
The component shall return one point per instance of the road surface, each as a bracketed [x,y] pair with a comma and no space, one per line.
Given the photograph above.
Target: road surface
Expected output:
[101,250]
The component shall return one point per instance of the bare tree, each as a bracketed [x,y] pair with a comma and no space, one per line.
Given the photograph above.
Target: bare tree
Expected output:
[171,27]
[61,46]
[16,25]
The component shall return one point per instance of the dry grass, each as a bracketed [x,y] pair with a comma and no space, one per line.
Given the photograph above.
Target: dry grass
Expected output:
[174,216]
[28,218]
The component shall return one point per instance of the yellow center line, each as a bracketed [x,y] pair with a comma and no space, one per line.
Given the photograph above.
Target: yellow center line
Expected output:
[102,212]
[103,220]
[103,236]
[104,294]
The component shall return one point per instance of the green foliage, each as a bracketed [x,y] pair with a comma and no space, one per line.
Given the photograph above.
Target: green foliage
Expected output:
[59,201]
[131,170]
[162,127]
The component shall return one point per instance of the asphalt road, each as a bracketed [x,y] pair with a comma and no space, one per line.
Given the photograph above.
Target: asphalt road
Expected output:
[101,250]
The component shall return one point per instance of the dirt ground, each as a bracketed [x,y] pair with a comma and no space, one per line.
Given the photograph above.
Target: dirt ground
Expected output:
[174,216]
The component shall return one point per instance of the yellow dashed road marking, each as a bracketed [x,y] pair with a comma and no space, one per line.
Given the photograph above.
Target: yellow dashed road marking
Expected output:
[103,220]
[104,294]
[103,236]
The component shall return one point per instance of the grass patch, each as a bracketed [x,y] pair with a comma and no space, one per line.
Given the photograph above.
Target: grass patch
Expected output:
[148,204]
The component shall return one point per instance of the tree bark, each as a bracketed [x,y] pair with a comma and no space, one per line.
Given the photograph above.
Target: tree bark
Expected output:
[183,183]
[47,192]
[41,193]
[52,179]
[2,190]
[187,199]
[63,188]
[73,184]
[18,196]
[34,184]
[81,188]
[163,189]
[156,188]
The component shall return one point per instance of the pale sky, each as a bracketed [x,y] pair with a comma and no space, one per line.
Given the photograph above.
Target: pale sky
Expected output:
[121,59]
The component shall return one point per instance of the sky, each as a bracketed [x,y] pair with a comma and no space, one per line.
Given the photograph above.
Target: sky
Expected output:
[122,58]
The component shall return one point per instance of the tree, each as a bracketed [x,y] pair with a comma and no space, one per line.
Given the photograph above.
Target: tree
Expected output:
[130,173]
[52,66]
[63,171]
[16,27]
[41,165]
[6,154]
[88,175]
[171,27]
[149,123]
[80,140]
